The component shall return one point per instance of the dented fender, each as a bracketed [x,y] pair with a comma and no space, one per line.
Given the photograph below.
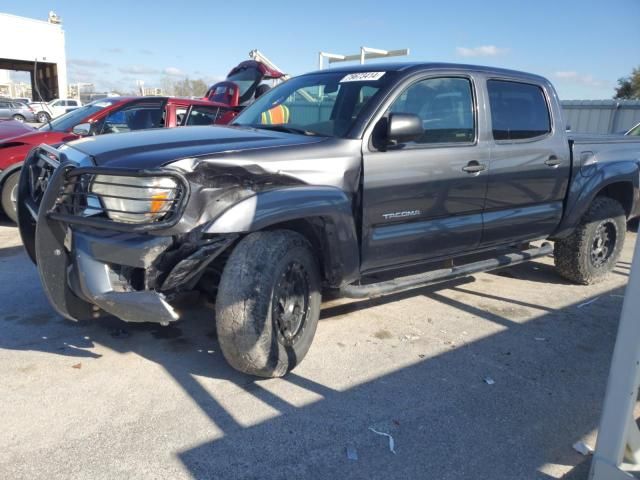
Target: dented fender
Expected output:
[328,208]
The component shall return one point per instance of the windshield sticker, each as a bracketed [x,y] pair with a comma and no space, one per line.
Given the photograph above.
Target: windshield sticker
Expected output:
[362,76]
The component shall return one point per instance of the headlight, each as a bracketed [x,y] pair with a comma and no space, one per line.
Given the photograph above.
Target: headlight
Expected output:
[135,199]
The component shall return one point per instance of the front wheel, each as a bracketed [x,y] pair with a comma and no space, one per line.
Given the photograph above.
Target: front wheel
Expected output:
[593,249]
[9,196]
[268,303]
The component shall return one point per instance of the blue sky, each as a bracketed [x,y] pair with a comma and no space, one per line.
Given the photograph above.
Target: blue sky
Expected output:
[582,46]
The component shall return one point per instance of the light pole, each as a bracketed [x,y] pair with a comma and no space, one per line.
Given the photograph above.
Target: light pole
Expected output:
[365,53]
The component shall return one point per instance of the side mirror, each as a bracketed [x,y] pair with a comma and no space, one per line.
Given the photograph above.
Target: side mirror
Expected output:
[404,127]
[82,129]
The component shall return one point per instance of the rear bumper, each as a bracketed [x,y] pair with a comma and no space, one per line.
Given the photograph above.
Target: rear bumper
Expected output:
[89,272]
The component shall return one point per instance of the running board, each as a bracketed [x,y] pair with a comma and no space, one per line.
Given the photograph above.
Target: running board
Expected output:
[445,274]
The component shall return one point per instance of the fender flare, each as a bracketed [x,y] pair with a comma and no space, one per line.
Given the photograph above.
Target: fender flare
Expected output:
[584,189]
[4,174]
[331,205]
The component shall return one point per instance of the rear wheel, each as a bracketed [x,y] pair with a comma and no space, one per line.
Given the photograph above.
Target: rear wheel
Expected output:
[43,117]
[268,303]
[593,249]
[9,196]
[19,118]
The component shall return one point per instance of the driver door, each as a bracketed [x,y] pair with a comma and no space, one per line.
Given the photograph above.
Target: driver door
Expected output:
[421,201]
[139,115]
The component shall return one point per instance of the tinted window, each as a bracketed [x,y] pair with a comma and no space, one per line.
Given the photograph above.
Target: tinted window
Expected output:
[137,116]
[445,106]
[5,105]
[202,115]
[518,110]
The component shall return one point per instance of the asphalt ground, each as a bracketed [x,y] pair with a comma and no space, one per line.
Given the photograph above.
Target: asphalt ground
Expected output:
[492,377]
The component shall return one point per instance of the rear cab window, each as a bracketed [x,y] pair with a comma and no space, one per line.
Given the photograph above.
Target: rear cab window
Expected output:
[519,111]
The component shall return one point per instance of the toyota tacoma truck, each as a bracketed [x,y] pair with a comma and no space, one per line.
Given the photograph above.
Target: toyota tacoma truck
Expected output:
[367,180]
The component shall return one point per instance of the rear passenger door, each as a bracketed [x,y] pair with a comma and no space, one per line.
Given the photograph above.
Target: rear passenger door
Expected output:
[5,110]
[529,169]
[421,200]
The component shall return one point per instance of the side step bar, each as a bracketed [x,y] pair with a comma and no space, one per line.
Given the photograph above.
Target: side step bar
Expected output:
[445,274]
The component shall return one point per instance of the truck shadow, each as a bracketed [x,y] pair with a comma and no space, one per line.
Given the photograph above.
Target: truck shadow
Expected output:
[5,222]
[445,420]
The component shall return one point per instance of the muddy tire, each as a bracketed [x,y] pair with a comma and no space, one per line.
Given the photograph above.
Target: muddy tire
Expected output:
[593,249]
[268,303]
[8,196]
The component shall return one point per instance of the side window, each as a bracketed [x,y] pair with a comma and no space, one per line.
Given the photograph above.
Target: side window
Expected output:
[518,110]
[445,106]
[181,112]
[202,115]
[72,103]
[5,105]
[138,116]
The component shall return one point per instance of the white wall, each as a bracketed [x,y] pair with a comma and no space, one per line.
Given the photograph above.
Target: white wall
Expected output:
[28,39]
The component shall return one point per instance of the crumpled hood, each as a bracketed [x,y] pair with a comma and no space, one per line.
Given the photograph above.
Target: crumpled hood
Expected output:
[153,148]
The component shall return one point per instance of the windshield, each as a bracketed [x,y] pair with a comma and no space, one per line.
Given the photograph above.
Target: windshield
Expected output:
[70,119]
[326,103]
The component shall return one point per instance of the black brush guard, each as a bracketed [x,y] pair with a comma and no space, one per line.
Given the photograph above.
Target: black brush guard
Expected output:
[74,263]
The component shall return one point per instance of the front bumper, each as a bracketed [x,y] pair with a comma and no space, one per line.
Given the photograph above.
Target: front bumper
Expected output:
[89,272]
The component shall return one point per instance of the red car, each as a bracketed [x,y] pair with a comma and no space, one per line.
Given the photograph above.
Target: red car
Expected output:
[243,85]
[109,115]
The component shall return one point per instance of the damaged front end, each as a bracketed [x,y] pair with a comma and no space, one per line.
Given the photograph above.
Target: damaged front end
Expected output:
[96,257]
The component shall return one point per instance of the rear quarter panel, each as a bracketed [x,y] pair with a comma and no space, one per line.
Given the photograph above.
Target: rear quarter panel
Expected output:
[599,161]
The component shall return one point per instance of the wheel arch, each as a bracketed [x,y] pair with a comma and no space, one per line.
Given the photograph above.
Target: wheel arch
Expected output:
[4,174]
[617,180]
[622,192]
[322,215]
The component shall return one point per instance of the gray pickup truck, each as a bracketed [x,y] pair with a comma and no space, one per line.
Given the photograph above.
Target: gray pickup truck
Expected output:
[344,179]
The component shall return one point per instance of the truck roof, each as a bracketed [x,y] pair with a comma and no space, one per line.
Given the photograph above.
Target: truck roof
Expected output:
[409,67]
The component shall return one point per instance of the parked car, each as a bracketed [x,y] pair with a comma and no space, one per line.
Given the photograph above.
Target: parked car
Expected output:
[242,86]
[109,115]
[20,112]
[22,100]
[444,168]
[46,111]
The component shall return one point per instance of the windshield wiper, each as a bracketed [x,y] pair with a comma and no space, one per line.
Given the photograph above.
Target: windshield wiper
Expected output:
[284,128]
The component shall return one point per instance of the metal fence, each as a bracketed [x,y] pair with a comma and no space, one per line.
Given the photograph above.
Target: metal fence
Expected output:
[601,116]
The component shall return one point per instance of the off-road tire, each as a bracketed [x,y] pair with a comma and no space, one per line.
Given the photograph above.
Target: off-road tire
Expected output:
[9,187]
[249,319]
[573,255]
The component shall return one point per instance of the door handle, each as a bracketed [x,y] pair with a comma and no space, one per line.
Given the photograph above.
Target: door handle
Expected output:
[552,161]
[474,167]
